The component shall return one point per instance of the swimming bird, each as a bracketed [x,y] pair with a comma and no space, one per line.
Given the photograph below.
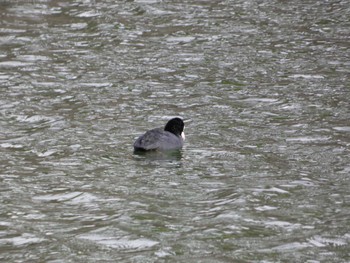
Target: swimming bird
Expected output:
[171,137]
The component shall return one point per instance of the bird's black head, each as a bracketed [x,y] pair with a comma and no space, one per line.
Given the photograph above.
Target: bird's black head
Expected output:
[175,126]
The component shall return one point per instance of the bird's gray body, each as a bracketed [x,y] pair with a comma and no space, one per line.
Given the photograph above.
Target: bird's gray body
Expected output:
[158,139]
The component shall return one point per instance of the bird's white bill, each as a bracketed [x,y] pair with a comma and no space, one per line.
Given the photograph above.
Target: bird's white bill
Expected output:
[183,135]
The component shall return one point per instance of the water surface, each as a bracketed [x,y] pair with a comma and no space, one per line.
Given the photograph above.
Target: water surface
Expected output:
[263,88]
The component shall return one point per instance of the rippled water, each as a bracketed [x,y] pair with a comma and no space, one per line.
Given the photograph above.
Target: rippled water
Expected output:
[263,87]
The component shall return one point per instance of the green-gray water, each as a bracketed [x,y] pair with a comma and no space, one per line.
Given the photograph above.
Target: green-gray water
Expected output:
[263,87]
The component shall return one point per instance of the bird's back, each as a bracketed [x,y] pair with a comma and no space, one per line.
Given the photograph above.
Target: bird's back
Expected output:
[158,139]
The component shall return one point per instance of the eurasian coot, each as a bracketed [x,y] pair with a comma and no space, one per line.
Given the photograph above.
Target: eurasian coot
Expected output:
[171,137]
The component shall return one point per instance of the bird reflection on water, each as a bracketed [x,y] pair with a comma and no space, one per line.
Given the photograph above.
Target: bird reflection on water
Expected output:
[171,155]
